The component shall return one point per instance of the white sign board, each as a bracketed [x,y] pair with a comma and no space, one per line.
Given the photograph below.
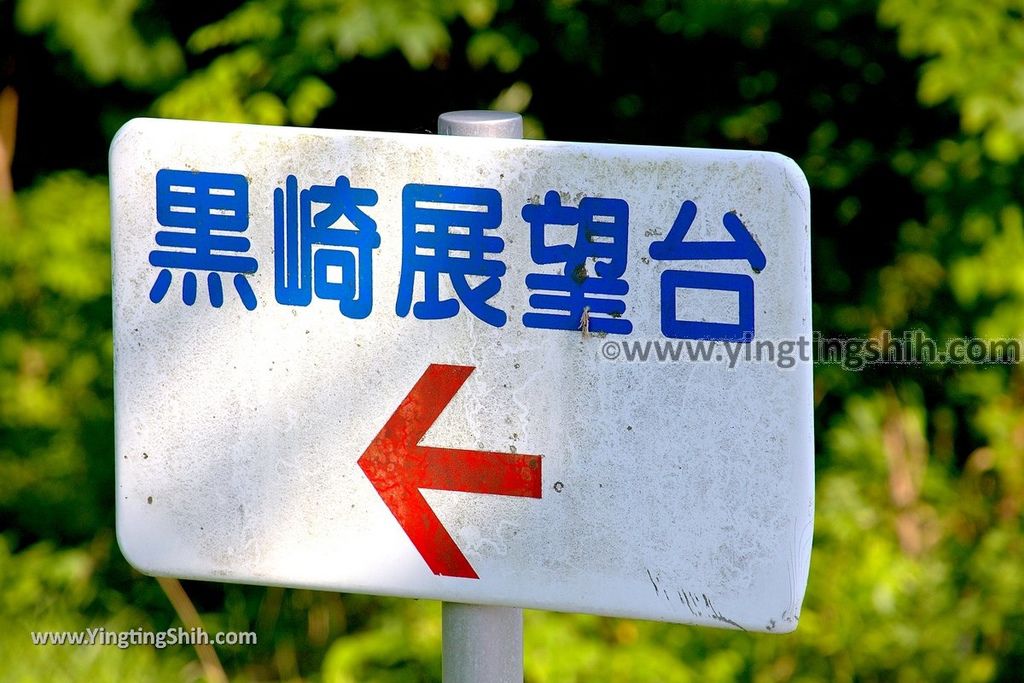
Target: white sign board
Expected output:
[465,369]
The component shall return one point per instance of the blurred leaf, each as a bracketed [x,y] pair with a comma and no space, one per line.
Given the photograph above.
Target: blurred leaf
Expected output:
[104,40]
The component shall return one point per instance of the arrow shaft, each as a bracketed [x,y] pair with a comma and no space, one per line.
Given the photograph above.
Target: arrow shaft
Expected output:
[504,474]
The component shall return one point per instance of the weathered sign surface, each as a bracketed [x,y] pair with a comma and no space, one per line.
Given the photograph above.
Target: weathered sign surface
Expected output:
[466,369]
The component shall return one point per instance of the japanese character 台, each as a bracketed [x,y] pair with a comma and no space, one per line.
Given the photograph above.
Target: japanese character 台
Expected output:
[674,248]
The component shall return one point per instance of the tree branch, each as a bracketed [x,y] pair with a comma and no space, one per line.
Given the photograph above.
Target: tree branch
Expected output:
[8,129]
[186,611]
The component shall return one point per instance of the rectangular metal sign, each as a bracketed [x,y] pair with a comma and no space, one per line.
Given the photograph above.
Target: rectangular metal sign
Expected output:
[506,372]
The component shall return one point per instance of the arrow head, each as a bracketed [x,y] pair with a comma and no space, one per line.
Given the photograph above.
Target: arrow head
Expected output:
[398,467]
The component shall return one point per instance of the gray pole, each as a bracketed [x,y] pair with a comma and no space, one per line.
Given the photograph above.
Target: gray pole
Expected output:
[481,644]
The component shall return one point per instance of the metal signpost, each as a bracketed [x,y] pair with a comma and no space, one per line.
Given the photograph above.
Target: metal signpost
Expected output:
[490,371]
[481,642]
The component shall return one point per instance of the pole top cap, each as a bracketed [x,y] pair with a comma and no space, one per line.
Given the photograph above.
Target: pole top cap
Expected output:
[481,123]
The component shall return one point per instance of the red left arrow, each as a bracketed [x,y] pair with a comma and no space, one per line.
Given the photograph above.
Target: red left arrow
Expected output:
[398,467]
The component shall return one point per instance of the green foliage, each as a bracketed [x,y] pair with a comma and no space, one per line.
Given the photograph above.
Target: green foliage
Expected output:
[975,54]
[104,39]
[905,116]
[401,644]
[44,589]
[55,359]
[279,47]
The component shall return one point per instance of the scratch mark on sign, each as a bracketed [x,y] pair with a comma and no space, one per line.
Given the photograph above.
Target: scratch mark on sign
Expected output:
[693,603]
[717,616]
[653,582]
[684,597]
